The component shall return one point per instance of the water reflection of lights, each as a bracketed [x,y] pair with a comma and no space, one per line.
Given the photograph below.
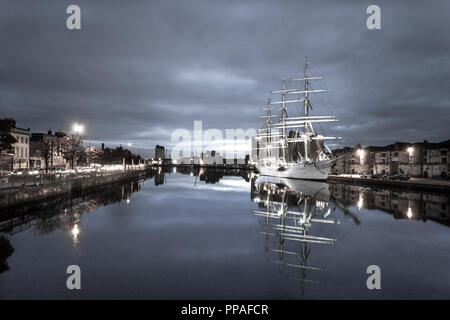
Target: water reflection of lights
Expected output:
[128,200]
[409,213]
[321,204]
[360,201]
[75,232]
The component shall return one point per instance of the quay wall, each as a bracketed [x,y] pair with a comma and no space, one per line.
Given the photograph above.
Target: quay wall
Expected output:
[419,186]
[72,187]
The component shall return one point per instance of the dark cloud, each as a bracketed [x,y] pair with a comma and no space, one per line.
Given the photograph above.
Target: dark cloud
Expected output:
[136,71]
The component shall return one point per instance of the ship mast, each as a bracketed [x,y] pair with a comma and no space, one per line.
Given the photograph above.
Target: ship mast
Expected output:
[269,127]
[275,133]
[306,89]
[283,118]
[305,129]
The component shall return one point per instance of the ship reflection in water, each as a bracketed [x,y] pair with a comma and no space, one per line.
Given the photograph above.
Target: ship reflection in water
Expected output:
[317,239]
[289,209]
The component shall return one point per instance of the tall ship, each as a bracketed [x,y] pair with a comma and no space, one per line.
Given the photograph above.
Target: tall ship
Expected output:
[289,146]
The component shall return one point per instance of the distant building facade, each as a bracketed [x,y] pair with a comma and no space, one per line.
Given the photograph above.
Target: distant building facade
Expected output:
[55,142]
[421,159]
[94,155]
[160,152]
[21,148]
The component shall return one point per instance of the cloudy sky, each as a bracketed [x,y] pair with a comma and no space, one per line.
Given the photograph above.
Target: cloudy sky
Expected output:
[137,70]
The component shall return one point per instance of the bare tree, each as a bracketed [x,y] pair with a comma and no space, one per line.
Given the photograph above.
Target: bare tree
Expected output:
[43,149]
[72,149]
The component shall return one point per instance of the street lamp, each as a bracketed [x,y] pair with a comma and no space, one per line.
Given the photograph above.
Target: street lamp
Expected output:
[361,154]
[410,151]
[78,128]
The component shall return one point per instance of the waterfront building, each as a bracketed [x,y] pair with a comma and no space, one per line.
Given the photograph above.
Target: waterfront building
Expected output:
[94,155]
[54,146]
[21,148]
[160,153]
[420,159]
[211,157]
[435,159]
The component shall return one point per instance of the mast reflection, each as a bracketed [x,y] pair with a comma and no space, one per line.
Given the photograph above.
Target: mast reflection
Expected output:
[289,212]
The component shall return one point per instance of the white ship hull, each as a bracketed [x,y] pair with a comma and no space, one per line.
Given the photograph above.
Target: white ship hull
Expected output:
[318,170]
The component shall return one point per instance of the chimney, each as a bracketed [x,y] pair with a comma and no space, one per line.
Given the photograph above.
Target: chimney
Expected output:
[49,132]
[103,146]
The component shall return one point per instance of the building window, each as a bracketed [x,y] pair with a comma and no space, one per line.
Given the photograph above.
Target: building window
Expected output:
[21,152]
[395,154]
[444,160]
[443,152]
[383,154]
[26,140]
[21,139]
[26,153]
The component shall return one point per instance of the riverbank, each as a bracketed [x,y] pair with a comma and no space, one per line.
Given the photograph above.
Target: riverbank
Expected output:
[72,186]
[414,184]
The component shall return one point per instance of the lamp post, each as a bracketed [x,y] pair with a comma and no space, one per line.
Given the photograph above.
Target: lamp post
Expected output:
[78,128]
[135,148]
[410,151]
[361,154]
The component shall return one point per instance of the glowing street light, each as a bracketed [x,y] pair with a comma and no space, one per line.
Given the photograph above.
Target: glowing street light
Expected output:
[78,128]
[410,151]
[361,154]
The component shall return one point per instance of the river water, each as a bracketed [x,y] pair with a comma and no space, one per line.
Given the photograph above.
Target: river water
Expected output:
[228,235]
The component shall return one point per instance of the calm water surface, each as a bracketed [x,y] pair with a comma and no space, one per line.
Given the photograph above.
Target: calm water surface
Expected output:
[214,235]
